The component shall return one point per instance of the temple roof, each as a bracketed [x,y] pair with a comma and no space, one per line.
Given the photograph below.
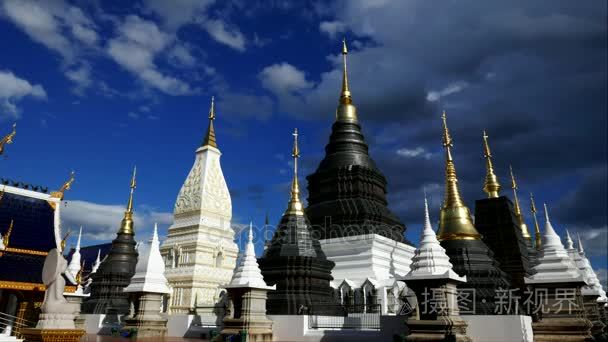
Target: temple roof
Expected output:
[88,255]
[22,268]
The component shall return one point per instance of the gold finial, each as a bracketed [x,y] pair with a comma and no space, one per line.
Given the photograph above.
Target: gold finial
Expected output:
[126,226]
[7,236]
[210,136]
[346,110]
[537,238]
[65,239]
[8,139]
[522,223]
[491,185]
[295,207]
[455,219]
[60,193]
[79,274]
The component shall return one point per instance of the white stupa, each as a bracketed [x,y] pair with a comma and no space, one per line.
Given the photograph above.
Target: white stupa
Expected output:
[430,260]
[247,273]
[150,270]
[594,287]
[553,264]
[74,266]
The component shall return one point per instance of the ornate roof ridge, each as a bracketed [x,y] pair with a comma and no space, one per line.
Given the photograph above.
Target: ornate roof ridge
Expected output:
[22,185]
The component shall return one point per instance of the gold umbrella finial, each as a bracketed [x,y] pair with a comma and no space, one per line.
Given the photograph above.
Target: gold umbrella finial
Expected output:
[346,110]
[295,207]
[210,136]
[522,223]
[8,139]
[491,185]
[126,226]
[455,219]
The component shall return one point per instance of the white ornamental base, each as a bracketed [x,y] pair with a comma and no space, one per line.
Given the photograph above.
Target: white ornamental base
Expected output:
[367,256]
[180,325]
[56,321]
[499,328]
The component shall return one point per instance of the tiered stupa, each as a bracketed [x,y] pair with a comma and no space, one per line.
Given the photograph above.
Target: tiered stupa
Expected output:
[199,251]
[557,277]
[469,255]
[348,209]
[115,272]
[295,263]
[432,273]
[146,291]
[75,265]
[501,225]
[247,293]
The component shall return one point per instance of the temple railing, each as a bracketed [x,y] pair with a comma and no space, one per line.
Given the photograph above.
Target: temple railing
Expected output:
[357,317]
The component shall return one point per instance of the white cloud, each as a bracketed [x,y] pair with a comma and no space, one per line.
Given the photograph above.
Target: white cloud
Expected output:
[332,28]
[283,78]
[101,221]
[13,89]
[135,49]
[451,88]
[81,76]
[177,13]
[181,56]
[415,152]
[229,36]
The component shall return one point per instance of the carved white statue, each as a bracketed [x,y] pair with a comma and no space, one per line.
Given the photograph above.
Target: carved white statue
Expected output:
[57,313]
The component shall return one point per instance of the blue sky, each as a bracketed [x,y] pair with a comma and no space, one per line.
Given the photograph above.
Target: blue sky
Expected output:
[99,87]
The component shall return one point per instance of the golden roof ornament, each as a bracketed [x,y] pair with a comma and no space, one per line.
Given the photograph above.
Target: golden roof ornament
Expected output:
[210,136]
[346,110]
[79,274]
[491,185]
[538,240]
[126,225]
[295,207]
[6,238]
[455,221]
[8,139]
[522,223]
[60,193]
[65,239]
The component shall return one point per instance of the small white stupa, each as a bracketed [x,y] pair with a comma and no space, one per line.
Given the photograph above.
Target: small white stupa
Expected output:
[247,273]
[150,270]
[430,260]
[74,266]
[553,264]
[594,287]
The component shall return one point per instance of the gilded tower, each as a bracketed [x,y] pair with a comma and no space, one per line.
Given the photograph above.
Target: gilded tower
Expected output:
[469,255]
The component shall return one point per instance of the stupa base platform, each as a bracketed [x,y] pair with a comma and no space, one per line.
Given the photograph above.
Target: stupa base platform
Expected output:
[592,310]
[562,329]
[443,328]
[255,331]
[52,335]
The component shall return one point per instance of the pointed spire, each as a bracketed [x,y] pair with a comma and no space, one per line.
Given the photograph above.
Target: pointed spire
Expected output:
[126,226]
[491,185]
[455,222]
[295,207]
[155,234]
[580,244]
[250,235]
[569,243]
[79,238]
[8,139]
[346,110]
[266,223]
[97,262]
[247,273]
[520,217]
[210,136]
[537,238]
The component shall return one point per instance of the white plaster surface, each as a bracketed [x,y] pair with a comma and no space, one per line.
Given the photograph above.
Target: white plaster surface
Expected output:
[499,328]
[150,269]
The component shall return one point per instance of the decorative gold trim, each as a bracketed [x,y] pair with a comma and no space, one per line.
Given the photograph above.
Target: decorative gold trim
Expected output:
[60,193]
[16,285]
[7,236]
[8,139]
[25,251]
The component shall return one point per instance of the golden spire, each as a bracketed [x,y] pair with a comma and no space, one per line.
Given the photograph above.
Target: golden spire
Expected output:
[210,136]
[537,237]
[491,185]
[8,139]
[126,226]
[346,110]
[6,238]
[522,224]
[455,219]
[60,193]
[295,207]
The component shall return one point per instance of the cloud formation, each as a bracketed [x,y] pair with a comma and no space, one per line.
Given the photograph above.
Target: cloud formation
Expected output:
[13,89]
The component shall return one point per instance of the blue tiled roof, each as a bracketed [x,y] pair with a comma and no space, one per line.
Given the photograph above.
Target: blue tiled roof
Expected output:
[21,268]
[33,226]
